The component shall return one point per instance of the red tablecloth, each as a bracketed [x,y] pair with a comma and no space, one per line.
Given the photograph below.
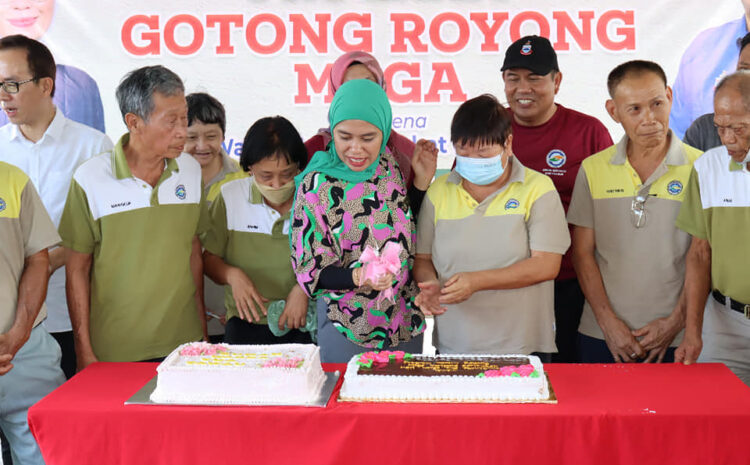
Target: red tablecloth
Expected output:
[607,414]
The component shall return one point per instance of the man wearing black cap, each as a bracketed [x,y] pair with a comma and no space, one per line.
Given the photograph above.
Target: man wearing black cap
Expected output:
[554,140]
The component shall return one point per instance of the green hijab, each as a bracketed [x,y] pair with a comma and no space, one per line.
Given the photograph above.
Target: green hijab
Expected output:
[359,99]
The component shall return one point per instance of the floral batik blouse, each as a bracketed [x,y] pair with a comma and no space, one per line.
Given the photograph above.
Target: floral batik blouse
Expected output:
[333,222]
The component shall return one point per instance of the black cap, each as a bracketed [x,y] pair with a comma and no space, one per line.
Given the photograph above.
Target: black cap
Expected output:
[534,53]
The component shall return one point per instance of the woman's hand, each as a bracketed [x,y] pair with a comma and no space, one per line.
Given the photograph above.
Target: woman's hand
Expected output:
[247,299]
[428,299]
[295,310]
[424,163]
[380,284]
[457,289]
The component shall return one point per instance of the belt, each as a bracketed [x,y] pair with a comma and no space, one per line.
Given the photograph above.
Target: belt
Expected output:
[733,304]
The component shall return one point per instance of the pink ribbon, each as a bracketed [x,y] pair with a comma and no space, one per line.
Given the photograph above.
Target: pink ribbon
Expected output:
[376,265]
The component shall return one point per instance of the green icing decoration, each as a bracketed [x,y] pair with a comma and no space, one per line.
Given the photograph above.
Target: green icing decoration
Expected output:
[515,375]
[367,364]
[534,374]
[408,356]
[480,375]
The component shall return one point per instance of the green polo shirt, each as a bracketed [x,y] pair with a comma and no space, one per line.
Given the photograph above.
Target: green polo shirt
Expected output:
[642,268]
[717,208]
[25,229]
[248,234]
[142,289]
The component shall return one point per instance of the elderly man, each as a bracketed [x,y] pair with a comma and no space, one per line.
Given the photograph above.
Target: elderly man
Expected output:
[629,256]
[207,125]
[702,134]
[716,213]
[48,147]
[554,140]
[134,271]
[29,357]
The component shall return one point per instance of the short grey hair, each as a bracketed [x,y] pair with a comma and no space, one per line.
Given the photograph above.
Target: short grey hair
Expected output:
[739,81]
[135,93]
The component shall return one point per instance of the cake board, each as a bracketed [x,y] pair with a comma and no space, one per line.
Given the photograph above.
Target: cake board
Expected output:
[552,399]
[143,396]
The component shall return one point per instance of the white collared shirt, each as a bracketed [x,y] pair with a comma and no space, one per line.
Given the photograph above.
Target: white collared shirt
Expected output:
[50,163]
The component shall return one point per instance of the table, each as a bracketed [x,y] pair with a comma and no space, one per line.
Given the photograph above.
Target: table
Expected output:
[607,414]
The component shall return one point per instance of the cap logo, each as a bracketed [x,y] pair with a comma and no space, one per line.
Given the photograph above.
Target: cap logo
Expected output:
[674,187]
[526,48]
[180,192]
[511,204]
[556,158]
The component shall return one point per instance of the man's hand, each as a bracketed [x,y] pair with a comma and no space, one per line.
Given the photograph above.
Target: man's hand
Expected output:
[295,311]
[457,289]
[689,349]
[84,359]
[624,347]
[247,299]
[656,336]
[424,163]
[428,299]
[5,364]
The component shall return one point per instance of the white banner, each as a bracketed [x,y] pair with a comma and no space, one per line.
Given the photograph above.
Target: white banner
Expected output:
[271,57]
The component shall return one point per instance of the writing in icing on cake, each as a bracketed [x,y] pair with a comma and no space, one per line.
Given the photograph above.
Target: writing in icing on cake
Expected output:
[283,362]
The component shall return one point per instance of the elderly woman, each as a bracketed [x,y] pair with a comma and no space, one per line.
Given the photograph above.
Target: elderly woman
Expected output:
[247,243]
[350,199]
[417,162]
[491,237]
[207,124]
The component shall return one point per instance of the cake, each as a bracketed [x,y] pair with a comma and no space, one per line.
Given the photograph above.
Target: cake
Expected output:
[220,374]
[402,377]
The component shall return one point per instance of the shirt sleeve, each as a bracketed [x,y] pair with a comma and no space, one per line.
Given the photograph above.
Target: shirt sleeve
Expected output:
[37,228]
[203,217]
[426,226]
[78,229]
[313,245]
[548,230]
[216,236]
[691,218]
[581,210]
[602,138]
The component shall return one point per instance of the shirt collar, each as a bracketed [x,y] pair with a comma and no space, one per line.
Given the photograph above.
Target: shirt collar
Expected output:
[675,153]
[120,163]
[55,129]
[517,173]
[255,196]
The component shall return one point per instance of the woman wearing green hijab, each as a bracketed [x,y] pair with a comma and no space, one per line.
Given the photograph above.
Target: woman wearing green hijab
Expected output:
[348,198]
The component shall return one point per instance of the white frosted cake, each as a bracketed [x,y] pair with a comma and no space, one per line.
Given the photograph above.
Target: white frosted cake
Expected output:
[399,377]
[220,374]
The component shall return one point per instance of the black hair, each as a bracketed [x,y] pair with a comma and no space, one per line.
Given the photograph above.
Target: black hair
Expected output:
[481,120]
[40,60]
[273,136]
[743,42]
[206,109]
[636,68]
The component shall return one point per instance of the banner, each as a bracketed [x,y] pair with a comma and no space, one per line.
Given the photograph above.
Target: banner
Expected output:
[272,57]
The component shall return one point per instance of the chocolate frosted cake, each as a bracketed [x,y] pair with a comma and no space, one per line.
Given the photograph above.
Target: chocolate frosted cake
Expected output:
[400,377]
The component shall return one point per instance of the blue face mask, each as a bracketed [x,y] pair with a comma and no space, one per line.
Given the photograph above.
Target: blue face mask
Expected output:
[480,171]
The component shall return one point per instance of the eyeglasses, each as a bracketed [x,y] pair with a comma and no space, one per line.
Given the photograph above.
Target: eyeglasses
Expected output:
[639,211]
[12,87]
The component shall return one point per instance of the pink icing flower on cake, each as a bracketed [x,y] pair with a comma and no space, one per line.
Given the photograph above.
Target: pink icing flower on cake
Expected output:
[525,370]
[507,370]
[201,348]
[492,373]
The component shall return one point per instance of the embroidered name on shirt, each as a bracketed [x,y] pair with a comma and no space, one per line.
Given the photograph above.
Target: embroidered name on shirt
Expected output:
[727,200]
[252,226]
[615,191]
[121,204]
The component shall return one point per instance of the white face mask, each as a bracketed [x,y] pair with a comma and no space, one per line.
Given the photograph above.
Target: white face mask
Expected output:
[276,196]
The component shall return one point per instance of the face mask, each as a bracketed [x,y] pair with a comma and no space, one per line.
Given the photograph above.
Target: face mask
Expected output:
[480,171]
[276,196]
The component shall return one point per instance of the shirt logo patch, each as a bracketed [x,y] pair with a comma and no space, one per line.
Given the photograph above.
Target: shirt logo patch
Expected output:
[674,187]
[511,204]
[180,192]
[2,205]
[526,49]
[556,158]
